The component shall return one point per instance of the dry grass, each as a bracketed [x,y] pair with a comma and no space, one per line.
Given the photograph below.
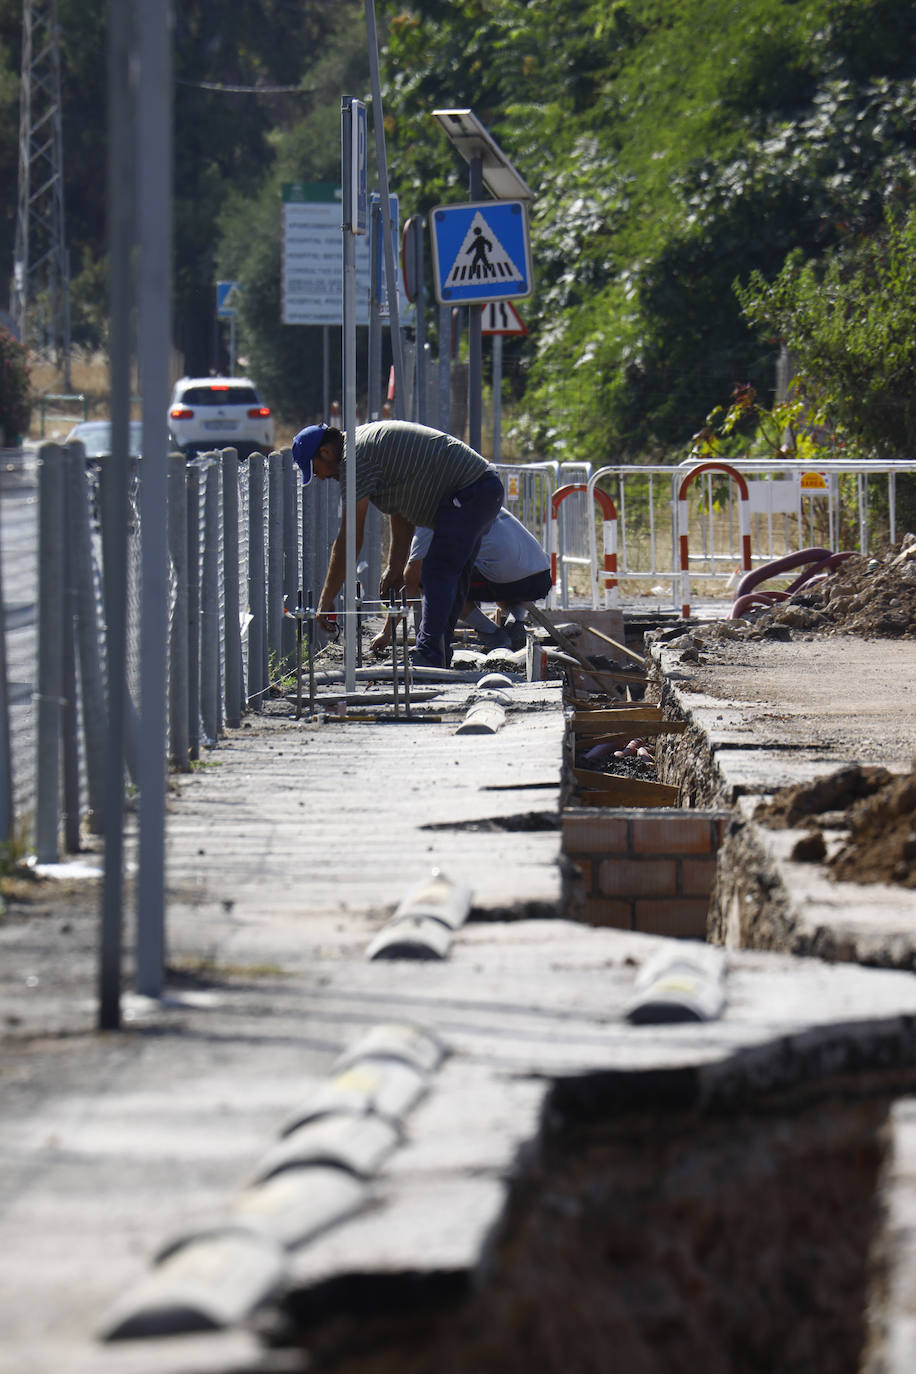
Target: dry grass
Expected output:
[88,378]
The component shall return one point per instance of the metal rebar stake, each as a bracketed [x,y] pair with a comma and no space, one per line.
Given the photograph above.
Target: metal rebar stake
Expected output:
[299,654]
[404,640]
[359,625]
[311,649]
[392,621]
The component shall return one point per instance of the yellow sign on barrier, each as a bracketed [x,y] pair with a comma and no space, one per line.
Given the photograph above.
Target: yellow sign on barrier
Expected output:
[813,481]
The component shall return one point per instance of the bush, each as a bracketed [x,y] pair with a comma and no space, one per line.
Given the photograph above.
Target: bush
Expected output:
[15,401]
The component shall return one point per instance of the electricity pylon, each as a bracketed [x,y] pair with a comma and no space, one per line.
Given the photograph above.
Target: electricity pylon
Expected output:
[41,269]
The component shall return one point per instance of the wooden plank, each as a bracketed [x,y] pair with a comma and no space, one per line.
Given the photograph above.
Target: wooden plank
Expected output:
[558,637]
[647,728]
[625,711]
[607,789]
[612,675]
[630,653]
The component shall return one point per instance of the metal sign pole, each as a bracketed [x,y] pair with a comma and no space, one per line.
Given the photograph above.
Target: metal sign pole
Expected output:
[374,409]
[497,385]
[355,205]
[378,122]
[475,325]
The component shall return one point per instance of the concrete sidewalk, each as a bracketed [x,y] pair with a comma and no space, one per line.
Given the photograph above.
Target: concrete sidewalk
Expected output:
[491,1094]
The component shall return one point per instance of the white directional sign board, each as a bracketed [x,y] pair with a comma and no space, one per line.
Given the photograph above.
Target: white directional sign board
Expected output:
[312,273]
[480,251]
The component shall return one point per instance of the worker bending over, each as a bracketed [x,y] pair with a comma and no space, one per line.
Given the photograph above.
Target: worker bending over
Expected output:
[511,569]
[415,476]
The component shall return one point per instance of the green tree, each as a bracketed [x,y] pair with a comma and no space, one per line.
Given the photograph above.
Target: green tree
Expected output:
[680,147]
[849,322]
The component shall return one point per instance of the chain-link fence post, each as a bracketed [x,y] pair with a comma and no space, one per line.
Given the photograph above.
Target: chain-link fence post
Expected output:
[209,608]
[275,555]
[234,689]
[50,649]
[290,554]
[257,630]
[179,653]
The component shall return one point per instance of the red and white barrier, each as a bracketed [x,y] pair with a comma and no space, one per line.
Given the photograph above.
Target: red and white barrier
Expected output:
[744,523]
[609,511]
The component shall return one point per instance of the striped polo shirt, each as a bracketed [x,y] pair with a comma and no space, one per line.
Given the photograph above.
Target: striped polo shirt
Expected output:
[406,469]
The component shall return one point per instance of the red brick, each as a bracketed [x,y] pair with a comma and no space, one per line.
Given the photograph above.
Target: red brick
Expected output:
[697,877]
[638,877]
[584,832]
[683,919]
[682,832]
[599,911]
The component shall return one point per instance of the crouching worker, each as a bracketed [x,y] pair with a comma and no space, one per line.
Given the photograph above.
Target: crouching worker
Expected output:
[511,569]
[415,476]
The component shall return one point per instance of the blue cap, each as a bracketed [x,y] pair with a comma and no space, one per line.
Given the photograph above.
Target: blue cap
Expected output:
[305,445]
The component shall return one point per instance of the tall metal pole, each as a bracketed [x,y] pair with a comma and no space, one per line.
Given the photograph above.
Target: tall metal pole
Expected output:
[374,409]
[497,385]
[121,166]
[154,295]
[475,327]
[391,281]
[350,115]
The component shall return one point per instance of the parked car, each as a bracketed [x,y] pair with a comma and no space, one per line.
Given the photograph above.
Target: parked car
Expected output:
[95,437]
[220,412]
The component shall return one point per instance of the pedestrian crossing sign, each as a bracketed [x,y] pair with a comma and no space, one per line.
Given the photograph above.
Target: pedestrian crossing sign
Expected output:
[480,252]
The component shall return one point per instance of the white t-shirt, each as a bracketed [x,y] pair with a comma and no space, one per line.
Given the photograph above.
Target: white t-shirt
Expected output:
[508,552]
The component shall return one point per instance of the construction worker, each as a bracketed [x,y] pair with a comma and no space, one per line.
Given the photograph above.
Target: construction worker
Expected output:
[511,569]
[416,476]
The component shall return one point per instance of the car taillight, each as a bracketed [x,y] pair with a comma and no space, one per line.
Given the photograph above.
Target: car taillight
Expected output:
[180,413]
[259,413]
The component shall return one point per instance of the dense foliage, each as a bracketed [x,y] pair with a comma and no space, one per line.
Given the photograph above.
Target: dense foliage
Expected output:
[850,319]
[673,150]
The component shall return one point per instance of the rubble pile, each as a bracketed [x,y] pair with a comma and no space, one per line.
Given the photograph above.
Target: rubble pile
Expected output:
[874,597]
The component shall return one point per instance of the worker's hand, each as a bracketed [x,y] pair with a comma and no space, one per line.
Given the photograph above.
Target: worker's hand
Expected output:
[327,621]
[392,580]
[381,641]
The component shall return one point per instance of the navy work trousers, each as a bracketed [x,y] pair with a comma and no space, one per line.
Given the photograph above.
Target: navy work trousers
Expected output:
[461,521]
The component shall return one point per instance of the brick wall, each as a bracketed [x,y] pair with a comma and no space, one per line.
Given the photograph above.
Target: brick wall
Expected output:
[643,869]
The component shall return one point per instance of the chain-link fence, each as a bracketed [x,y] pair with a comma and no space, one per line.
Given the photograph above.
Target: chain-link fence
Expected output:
[244,540]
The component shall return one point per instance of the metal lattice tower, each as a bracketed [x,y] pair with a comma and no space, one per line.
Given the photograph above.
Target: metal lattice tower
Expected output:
[41,272]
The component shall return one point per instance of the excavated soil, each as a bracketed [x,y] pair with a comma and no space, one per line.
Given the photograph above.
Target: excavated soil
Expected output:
[874,597]
[875,808]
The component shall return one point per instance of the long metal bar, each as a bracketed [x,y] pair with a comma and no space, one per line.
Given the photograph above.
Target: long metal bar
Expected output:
[179,729]
[233,631]
[475,334]
[348,238]
[391,280]
[114,493]
[154,263]
[50,650]
[69,706]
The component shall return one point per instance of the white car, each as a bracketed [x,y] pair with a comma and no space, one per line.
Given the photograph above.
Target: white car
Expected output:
[220,412]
